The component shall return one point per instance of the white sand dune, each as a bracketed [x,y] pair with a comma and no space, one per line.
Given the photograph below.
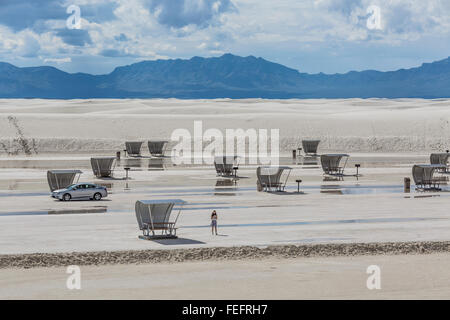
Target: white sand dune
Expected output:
[353,125]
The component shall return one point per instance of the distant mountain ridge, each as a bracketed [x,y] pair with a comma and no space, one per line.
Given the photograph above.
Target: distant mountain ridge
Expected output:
[228,76]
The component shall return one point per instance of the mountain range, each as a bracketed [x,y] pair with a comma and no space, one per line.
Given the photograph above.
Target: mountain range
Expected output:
[228,76]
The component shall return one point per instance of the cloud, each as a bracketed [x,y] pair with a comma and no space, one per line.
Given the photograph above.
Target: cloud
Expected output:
[121,37]
[311,35]
[74,37]
[22,14]
[99,12]
[57,60]
[29,46]
[181,13]
[401,19]
[114,53]
[34,14]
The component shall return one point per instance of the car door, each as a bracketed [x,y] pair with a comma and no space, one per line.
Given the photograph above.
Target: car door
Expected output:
[75,192]
[87,191]
[91,190]
[79,191]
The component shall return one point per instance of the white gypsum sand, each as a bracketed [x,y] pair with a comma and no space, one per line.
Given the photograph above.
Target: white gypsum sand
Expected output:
[402,277]
[353,125]
[372,208]
[385,136]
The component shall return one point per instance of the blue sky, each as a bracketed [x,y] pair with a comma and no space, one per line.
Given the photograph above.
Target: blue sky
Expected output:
[309,35]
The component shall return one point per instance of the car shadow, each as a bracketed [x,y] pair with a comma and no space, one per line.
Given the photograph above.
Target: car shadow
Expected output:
[83,200]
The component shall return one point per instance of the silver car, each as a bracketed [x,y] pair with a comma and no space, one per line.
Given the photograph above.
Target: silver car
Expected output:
[81,191]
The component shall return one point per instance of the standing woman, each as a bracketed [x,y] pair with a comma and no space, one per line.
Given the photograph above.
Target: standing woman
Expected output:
[214,222]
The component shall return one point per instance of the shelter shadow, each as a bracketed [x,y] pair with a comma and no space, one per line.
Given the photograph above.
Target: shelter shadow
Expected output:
[177,241]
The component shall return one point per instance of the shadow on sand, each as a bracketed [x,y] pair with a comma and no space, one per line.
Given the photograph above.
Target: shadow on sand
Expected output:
[286,193]
[177,241]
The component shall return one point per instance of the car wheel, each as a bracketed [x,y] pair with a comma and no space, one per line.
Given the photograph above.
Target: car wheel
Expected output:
[97,196]
[67,197]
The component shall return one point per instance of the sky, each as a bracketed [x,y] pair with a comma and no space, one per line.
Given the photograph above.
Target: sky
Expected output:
[329,36]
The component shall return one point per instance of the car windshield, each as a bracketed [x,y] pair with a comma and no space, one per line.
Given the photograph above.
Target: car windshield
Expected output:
[71,186]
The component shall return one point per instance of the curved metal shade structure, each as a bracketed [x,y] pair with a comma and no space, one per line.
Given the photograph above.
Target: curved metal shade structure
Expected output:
[334,164]
[157,148]
[154,216]
[103,167]
[310,146]
[424,176]
[59,179]
[133,148]
[224,165]
[271,178]
[442,159]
